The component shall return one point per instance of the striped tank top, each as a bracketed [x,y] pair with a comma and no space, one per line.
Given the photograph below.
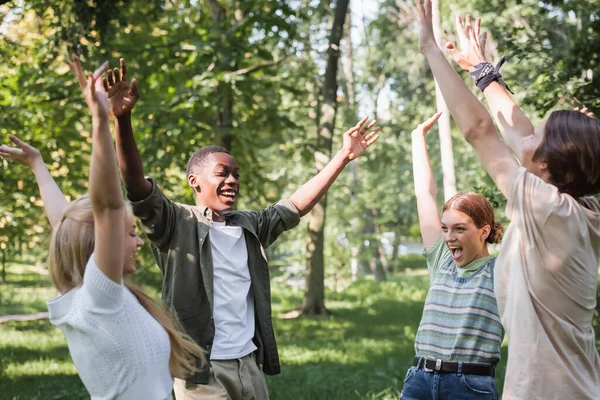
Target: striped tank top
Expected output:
[460,320]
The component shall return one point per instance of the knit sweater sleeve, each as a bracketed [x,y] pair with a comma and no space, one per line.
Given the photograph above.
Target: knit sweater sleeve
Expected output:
[101,294]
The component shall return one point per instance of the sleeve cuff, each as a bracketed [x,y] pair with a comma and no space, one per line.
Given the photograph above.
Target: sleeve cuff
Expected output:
[428,252]
[512,195]
[155,192]
[289,213]
[104,293]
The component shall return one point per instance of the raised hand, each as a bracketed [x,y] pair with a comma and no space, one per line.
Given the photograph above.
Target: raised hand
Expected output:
[23,153]
[585,111]
[425,126]
[472,43]
[426,36]
[122,95]
[356,139]
[92,88]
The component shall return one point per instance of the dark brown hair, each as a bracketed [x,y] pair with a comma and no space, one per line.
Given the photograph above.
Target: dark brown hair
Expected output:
[479,209]
[571,148]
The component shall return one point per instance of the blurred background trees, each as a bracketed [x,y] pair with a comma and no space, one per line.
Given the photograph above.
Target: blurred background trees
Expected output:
[250,75]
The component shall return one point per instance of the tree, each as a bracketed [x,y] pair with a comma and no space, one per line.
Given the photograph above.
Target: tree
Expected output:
[314,299]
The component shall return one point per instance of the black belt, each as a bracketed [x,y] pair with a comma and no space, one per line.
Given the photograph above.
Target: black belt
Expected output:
[452,367]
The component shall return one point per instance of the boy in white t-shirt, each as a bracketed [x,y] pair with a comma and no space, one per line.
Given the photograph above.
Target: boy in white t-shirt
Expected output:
[213,260]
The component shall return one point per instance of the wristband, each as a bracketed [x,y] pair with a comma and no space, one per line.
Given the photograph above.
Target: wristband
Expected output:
[485,73]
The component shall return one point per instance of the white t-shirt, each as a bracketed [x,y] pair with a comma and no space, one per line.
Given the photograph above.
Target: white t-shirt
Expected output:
[120,351]
[233,308]
[545,285]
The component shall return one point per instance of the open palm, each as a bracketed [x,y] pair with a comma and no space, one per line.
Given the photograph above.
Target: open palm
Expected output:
[122,94]
[357,140]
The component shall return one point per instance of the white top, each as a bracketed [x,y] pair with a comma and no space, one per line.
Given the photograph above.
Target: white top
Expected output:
[545,285]
[120,351]
[233,308]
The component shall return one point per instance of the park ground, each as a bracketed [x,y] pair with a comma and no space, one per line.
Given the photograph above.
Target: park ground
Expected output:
[361,352]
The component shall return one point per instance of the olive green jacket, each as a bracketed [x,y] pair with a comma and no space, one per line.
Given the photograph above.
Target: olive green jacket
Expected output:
[179,235]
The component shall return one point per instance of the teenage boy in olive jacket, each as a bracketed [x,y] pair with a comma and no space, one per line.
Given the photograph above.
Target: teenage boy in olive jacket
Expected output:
[212,258]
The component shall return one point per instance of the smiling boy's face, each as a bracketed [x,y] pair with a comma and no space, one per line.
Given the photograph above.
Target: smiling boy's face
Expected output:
[217,184]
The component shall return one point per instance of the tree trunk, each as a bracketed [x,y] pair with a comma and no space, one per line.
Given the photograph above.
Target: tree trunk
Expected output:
[314,300]
[365,256]
[381,265]
[224,96]
[449,177]
[4,266]
[396,244]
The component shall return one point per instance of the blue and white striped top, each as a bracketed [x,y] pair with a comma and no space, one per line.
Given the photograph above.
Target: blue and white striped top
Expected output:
[460,320]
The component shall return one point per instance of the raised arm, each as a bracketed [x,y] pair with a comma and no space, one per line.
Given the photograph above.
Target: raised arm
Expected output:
[356,140]
[106,198]
[123,97]
[470,115]
[55,202]
[425,187]
[510,119]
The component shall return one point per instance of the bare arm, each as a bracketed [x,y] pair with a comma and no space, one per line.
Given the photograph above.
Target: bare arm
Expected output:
[130,161]
[509,118]
[355,142]
[425,187]
[123,97]
[470,115]
[106,198]
[55,202]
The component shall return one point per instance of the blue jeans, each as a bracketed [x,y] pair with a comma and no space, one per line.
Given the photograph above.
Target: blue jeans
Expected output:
[422,385]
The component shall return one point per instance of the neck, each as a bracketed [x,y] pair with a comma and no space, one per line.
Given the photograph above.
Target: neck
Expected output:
[483,253]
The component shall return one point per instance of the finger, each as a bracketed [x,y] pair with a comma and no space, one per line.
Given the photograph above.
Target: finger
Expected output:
[105,83]
[92,85]
[133,89]
[117,74]
[371,134]
[420,9]
[372,140]
[75,67]
[361,122]
[433,119]
[584,110]
[352,131]
[468,27]
[476,28]
[482,42]
[370,125]
[123,69]
[100,70]
[451,49]
[460,28]
[111,80]
[17,141]
[9,152]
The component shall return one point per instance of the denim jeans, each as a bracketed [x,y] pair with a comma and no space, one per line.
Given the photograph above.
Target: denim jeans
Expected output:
[422,385]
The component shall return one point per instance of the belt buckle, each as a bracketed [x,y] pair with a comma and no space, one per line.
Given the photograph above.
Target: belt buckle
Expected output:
[438,366]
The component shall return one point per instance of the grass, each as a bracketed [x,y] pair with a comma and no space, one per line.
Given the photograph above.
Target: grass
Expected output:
[26,291]
[361,352]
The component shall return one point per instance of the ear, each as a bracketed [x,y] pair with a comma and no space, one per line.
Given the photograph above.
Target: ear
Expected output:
[193,182]
[485,232]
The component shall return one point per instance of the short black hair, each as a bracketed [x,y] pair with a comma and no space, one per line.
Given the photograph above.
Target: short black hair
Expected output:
[198,159]
[570,146]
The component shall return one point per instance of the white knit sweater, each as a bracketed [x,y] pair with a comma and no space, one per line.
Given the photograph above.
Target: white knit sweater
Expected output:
[120,351]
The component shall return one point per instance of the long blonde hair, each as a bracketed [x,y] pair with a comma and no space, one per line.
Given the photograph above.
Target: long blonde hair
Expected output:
[71,246]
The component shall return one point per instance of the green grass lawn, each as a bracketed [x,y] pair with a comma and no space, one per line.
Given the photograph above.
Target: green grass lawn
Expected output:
[361,352]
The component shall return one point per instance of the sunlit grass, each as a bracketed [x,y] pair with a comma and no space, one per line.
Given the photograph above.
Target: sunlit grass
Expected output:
[362,351]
